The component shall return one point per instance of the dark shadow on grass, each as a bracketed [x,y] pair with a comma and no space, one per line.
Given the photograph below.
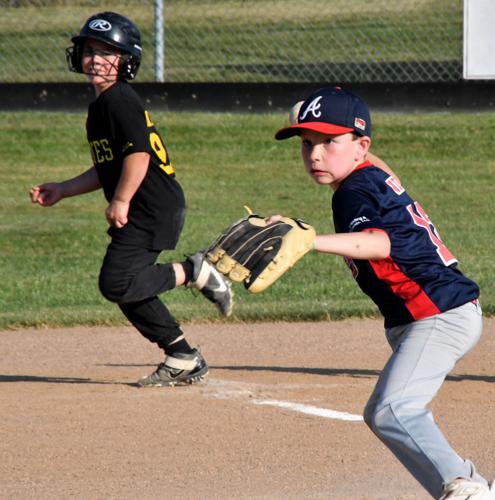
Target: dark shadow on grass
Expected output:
[479,378]
[127,365]
[335,372]
[310,371]
[59,380]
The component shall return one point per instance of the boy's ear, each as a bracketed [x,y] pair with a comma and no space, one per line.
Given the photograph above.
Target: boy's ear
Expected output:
[364,145]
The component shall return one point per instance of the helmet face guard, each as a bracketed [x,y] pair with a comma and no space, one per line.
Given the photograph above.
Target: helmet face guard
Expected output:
[114,30]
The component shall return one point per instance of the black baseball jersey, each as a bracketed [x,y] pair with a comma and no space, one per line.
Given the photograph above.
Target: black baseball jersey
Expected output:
[420,278]
[118,125]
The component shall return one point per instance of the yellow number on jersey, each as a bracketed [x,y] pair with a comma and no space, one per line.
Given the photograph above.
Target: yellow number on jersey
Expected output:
[149,123]
[161,152]
[158,147]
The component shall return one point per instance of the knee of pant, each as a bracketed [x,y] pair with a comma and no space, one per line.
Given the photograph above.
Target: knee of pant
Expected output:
[377,417]
[110,289]
[368,415]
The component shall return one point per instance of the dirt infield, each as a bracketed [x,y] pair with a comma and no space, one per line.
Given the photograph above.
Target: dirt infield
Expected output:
[278,417]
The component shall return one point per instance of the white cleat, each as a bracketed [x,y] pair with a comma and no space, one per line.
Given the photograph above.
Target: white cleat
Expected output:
[465,489]
[211,283]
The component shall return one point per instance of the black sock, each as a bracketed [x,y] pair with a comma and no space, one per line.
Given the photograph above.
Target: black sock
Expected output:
[188,270]
[180,346]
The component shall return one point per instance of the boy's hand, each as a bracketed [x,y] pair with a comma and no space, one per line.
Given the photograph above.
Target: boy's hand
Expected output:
[47,194]
[116,213]
[257,251]
[274,218]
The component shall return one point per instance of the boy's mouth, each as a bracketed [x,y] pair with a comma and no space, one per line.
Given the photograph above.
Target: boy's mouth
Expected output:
[318,173]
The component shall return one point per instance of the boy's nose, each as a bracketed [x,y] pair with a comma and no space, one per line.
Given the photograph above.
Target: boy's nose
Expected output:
[316,152]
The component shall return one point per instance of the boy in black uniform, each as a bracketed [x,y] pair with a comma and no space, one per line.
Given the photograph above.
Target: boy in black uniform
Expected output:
[146,204]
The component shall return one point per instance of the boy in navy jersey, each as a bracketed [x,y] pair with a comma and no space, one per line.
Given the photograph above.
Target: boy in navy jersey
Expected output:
[146,205]
[431,310]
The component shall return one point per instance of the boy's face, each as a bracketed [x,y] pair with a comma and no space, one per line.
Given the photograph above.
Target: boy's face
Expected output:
[329,159]
[100,62]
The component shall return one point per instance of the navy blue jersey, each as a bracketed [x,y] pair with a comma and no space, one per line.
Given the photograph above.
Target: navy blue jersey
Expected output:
[420,278]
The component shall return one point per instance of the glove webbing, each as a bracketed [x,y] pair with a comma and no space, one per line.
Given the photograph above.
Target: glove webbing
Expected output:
[226,234]
[262,241]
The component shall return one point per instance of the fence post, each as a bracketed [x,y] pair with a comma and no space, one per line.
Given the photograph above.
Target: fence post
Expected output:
[159,42]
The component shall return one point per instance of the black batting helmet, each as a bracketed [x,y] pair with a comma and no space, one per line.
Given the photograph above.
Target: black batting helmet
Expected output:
[115,30]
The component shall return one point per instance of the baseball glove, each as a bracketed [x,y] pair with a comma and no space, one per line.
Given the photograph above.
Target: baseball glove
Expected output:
[256,253]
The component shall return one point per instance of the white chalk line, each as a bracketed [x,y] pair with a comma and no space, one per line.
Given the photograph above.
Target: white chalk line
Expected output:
[231,390]
[310,410]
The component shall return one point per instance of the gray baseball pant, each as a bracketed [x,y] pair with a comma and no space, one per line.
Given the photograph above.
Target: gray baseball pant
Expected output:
[424,352]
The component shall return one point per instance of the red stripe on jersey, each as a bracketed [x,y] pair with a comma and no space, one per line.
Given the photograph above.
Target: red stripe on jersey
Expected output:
[364,164]
[415,299]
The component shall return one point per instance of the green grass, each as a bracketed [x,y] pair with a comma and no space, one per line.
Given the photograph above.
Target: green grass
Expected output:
[238,40]
[50,257]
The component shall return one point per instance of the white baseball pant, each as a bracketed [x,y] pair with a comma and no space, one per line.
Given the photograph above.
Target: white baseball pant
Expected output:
[424,352]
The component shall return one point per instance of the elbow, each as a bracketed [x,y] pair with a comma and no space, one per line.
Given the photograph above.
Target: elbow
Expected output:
[383,246]
[387,248]
[385,254]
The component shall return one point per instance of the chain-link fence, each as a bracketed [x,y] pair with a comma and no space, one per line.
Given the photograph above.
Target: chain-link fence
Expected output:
[249,40]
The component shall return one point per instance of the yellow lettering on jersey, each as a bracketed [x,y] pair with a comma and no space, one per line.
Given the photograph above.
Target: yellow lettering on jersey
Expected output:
[149,123]
[107,149]
[93,156]
[101,151]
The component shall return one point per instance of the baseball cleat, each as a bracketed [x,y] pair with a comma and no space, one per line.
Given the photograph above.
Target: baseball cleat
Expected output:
[181,369]
[211,283]
[465,489]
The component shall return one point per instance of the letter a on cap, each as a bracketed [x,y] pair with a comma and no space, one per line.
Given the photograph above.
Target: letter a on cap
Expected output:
[313,107]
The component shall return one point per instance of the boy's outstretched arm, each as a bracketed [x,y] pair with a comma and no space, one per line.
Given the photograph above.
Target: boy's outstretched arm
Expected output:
[372,244]
[49,193]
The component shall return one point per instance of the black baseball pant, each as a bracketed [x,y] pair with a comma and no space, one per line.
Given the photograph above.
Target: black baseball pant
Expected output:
[130,277]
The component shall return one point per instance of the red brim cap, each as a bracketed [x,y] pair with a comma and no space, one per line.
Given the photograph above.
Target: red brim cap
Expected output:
[322,127]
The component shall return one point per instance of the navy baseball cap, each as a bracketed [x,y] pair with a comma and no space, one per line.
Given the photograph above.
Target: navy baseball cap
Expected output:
[331,110]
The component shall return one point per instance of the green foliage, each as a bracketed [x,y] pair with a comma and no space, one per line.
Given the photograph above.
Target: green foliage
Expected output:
[50,257]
